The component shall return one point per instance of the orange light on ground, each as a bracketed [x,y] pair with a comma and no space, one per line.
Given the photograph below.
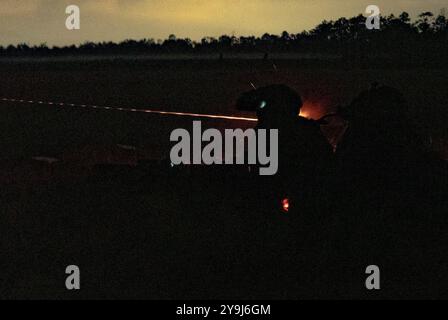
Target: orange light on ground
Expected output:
[285,205]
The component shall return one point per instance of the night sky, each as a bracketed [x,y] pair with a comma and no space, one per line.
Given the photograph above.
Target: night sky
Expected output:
[43,21]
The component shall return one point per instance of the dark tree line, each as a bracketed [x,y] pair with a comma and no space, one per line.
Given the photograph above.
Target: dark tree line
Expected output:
[398,36]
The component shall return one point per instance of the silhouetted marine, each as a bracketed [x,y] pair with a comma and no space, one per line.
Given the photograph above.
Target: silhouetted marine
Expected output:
[380,194]
[377,150]
[304,158]
[381,142]
[303,150]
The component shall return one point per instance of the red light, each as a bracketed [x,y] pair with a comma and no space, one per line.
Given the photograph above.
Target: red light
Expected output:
[285,204]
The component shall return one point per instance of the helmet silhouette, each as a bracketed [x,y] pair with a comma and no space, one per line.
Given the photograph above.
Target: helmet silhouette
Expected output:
[274,104]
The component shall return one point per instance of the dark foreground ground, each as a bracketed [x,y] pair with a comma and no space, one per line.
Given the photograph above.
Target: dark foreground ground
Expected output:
[138,228]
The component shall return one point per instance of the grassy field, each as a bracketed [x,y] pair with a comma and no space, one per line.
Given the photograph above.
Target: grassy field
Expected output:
[207,86]
[150,231]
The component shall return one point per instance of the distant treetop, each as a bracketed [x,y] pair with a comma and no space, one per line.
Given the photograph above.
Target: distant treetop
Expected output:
[397,35]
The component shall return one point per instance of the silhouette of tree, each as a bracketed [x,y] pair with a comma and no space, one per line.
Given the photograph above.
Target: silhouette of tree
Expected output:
[440,24]
[423,24]
[398,38]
